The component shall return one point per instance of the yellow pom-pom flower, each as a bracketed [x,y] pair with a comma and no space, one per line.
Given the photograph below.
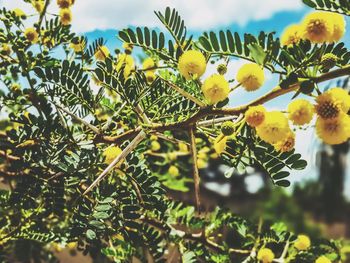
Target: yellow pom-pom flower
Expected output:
[302,243]
[173,170]
[291,35]
[110,153]
[215,89]
[322,259]
[255,115]
[339,26]
[266,255]
[155,146]
[5,50]
[77,47]
[342,96]
[148,64]
[318,27]
[102,53]
[150,76]
[38,5]
[31,35]
[300,111]
[128,47]
[251,76]
[64,3]
[202,163]
[126,61]
[332,102]
[274,128]
[19,13]
[287,144]
[192,63]
[334,131]
[220,144]
[66,16]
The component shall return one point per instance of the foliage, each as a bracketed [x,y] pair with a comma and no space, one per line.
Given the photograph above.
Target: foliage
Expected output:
[64,111]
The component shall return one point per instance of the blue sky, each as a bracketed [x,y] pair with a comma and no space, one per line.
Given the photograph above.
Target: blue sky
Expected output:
[104,18]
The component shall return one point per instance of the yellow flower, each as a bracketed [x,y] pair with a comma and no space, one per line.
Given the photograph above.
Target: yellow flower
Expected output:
[220,144]
[302,243]
[110,153]
[342,96]
[192,63]
[274,128]
[71,245]
[215,88]
[155,146]
[251,76]
[64,3]
[339,26]
[173,170]
[202,163]
[150,76]
[66,16]
[255,115]
[5,50]
[19,12]
[334,131]
[265,255]
[128,47]
[77,47]
[291,35]
[322,259]
[38,5]
[300,111]
[102,53]
[31,35]
[332,102]
[287,144]
[126,61]
[148,63]
[317,27]
[183,147]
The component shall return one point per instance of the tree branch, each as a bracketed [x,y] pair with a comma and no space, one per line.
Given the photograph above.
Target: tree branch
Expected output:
[133,144]
[196,178]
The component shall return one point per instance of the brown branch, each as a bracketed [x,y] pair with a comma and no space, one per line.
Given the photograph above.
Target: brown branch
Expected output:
[42,15]
[196,178]
[208,111]
[118,138]
[194,237]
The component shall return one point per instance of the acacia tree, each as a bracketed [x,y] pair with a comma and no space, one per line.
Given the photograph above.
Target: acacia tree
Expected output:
[90,168]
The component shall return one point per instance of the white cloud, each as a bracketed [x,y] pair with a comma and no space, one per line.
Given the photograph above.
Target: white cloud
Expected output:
[198,14]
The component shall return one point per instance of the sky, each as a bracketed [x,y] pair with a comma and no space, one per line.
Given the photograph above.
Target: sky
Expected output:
[104,18]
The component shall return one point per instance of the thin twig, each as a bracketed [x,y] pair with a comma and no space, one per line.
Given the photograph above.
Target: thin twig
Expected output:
[75,117]
[196,179]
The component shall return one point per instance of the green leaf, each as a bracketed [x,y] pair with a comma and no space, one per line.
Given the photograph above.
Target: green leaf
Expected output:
[257,53]
[90,234]
[283,183]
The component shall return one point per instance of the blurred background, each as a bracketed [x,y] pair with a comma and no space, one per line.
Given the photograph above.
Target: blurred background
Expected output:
[318,201]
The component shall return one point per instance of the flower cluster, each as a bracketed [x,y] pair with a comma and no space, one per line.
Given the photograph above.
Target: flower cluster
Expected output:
[318,27]
[65,12]
[332,125]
